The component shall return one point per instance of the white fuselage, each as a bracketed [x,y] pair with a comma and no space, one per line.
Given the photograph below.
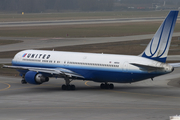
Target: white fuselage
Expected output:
[95,67]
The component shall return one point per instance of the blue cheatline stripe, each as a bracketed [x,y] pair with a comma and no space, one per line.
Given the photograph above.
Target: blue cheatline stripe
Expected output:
[102,75]
[74,67]
[56,66]
[175,16]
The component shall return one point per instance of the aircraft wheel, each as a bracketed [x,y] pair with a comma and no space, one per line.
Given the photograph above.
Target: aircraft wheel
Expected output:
[106,86]
[111,86]
[68,87]
[73,87]
[102,86]
[63,87]
[23,82]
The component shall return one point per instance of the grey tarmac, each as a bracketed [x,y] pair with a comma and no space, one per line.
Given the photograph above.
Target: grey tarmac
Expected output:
[152,100]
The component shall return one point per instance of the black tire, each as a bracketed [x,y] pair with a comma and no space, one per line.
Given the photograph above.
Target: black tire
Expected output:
[111,86]
[73,87]
[64,87]
[102,86]
[23,82]
[68,87]
[106,86]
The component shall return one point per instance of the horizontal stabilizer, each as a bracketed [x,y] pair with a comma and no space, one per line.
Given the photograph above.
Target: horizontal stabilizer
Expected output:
[175,65]
[147,67]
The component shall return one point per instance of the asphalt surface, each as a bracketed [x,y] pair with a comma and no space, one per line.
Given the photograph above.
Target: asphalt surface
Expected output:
[145,100]
[81,21]
[152,100]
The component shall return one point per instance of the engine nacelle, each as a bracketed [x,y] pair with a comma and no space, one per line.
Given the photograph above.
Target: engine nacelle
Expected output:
[35,78]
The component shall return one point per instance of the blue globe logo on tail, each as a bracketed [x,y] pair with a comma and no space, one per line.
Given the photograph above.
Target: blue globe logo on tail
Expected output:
[158,47]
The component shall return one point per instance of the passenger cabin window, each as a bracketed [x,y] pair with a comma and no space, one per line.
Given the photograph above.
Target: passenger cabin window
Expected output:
[91,64]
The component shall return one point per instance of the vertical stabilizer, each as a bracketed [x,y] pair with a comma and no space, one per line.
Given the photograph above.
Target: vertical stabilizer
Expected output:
[158,47]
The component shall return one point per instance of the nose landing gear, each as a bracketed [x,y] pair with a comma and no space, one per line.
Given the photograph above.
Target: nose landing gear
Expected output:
[23,81]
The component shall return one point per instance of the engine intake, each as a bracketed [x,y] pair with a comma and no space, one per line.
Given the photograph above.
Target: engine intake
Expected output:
[41,79]
[33,77]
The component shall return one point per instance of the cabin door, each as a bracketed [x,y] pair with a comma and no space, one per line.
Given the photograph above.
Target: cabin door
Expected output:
[66,63]
[125,66]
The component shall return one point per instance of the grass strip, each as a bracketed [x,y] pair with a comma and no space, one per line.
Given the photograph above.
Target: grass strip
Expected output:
[6,42]
[78,31]
[7,17]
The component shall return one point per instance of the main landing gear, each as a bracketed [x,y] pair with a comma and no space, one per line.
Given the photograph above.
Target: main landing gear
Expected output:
[67,86]
[106,86]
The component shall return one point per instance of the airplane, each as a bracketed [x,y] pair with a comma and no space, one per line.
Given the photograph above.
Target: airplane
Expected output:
[37,66]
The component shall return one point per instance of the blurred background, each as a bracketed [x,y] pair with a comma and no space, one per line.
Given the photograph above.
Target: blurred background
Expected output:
[45,6]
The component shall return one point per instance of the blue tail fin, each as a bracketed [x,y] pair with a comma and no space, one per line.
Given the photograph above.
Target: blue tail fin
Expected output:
[158,47]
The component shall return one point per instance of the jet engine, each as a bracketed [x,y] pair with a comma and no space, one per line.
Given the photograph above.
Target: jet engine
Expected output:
[33,77]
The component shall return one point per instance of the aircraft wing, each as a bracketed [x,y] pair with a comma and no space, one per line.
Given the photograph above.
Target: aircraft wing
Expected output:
[175,65]
[147,67]
[56,71]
